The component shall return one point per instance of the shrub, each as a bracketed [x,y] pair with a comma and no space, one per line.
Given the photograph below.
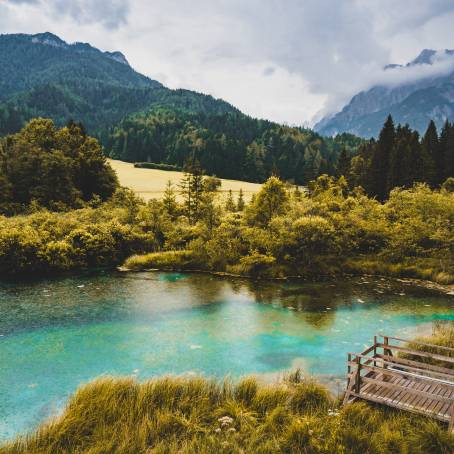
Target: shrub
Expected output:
[156,165]
[166,260]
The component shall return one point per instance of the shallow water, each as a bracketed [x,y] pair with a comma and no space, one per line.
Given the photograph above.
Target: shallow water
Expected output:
[57,334]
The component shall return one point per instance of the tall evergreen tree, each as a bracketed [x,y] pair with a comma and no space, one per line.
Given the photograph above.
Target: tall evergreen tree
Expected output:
[430,153]
[169,200]
[343,164]
[240,204]
[229,203]
[380,160]
[448,153]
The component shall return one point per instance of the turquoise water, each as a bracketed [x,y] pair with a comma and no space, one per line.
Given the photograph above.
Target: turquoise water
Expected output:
[58,334]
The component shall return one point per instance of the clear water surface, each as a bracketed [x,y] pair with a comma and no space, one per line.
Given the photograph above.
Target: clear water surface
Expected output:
[57,334]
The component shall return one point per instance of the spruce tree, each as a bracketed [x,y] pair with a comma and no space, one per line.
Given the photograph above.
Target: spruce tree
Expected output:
[449,153]
[192,189]
[240,204]
[430,155]
[169,200]
[230,204]
[343,164]
[440,163]
[380,160]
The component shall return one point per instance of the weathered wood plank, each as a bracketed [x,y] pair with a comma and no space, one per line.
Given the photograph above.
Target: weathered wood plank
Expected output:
[435,356]
[425,344]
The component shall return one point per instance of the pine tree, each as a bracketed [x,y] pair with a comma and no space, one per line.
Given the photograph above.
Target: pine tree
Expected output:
[343,164]
[230,204]
[240,204]
[440,163]
[380,160]
[169,200]
[449,154]
[430,155]
[192,189]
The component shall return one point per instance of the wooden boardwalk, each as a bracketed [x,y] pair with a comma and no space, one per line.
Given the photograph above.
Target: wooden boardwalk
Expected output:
[391,374]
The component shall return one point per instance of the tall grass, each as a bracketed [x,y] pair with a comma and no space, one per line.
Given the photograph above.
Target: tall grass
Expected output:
[178,415]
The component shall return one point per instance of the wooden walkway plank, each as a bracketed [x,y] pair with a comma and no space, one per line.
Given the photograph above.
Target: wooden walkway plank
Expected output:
[403,383]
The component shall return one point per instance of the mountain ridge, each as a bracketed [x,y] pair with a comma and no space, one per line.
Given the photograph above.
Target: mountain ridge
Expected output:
[411,102]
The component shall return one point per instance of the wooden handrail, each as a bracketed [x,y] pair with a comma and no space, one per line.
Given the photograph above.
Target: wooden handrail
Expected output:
[446,359]
[399,373]
[449,349]
[405,366]
[409,362]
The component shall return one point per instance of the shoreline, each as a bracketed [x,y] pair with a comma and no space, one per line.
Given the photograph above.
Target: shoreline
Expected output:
[445,289]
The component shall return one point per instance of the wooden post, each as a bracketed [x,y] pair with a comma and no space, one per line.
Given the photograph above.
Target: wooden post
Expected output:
[451,422]
[375,350]
[358,375]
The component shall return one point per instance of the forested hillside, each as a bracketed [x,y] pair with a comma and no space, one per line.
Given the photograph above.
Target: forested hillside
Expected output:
[43,76]
[137,119]
[229,145]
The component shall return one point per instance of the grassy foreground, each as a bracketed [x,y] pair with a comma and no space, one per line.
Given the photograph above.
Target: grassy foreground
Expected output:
[170,415]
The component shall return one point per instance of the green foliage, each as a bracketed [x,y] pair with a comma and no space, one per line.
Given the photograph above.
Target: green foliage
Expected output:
[42,76]
[53,168]
[227,144]
[399,159]
[176,414]
[327,230]
[166,260]
[46,242]
[271,201]
[154,165]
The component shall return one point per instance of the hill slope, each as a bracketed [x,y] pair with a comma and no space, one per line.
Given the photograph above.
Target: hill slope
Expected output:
[42,75]
[138,119]
[415,102]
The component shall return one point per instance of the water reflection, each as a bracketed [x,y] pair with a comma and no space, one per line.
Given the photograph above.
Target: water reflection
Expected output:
[58,333]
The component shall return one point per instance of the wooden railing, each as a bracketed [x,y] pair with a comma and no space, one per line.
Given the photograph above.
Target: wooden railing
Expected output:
[407,380]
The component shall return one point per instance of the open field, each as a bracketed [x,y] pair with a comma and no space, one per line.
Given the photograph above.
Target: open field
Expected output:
[150,183]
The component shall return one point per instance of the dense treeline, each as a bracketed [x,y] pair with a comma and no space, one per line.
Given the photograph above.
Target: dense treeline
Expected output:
[54,168]
[229,145]
[399,158]
[331,229]
[280,232]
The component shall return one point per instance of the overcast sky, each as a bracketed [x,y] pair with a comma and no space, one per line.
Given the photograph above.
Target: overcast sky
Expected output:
[288,60]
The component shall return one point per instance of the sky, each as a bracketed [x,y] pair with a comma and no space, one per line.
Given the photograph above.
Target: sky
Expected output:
[290,61]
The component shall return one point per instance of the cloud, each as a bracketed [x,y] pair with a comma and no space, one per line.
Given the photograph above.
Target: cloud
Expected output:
[289,60]
[109,13]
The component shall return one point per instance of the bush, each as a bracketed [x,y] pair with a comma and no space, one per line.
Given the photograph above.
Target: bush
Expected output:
[166,260]
[156,165]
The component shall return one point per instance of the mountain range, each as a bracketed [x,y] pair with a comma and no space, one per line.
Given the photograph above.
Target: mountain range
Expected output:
[138,119]
[410,100]
[42,75]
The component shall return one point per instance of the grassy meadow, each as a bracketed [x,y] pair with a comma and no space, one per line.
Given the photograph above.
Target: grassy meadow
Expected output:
[197,415]
[151,183]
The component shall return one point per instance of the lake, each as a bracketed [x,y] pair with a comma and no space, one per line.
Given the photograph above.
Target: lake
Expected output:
[59,333]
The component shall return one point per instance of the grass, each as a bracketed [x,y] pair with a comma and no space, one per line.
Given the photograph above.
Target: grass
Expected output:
[151,183]
[430,269]
[180,415]
[166,260]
